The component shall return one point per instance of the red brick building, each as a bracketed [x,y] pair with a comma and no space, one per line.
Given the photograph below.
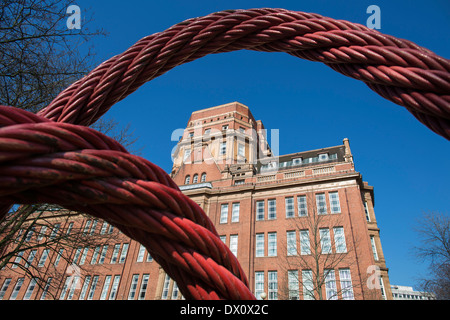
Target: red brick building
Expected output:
[302,225]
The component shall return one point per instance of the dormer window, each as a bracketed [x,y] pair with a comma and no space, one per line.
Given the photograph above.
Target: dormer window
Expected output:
[323,157]
[296,161]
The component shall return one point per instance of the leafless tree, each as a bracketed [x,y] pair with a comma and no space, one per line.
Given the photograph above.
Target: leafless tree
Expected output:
[433,230]
[317,254]
[39,57]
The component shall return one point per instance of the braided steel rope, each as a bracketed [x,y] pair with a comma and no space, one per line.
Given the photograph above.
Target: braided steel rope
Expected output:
[52,157]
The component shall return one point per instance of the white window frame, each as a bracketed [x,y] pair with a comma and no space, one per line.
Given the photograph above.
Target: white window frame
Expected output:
[291,243]
[302,206]
[339,240]
[260,210]
[335,205]
[289,207]
[236,207]
[325,241]
[259,245]
[272,244]
[223,213]
[305,245]
[271,209]
[321,203]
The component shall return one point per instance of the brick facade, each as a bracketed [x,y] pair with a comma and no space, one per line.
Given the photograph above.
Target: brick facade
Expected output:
[302,224]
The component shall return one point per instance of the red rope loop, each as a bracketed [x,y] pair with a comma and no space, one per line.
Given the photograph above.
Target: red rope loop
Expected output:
[51,157]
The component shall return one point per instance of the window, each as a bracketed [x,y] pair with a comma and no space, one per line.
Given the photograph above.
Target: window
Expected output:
[241,149]
[260,245]
[76,256]
[94,225]
[224,239]
[112,295]
[69,228]
[234,244]
[84,255]
[325,242]
[123,254]
[187,155]
[93,287]
[260,210]
[30,258]
[235,212]
[16,289]
[86,226]
[115,253]
[339,240]
[46,288]
[203,179]
[17,260]
[296,161]
[73,286]
[195,178]
[65,288]
[272,244]
[223,148]
[291,242]
[321,203]
[289,204]
[30,289]
[103,254]
[55,230]
[42,233]
[225,127]
[330,284]
[272,209]
[187,180]
[323,157]
[165,292]
[191,134]
[87,280]
[105,288]
[308,285]
[273,285]
[259,284]
[30,234]
[305,247]
[374,248]
[293,285]
[224,213]
[58,257]
[4,287]
[366,210]
[346,284]
[95,255]
[43,258]
[175,291]
[141,254]
[143,288]
[334,202]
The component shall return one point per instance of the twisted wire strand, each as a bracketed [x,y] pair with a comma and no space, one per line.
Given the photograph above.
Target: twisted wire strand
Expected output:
[51,157]
[396,69]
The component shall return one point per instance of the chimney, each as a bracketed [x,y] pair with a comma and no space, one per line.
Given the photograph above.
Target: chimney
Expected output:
[348,153]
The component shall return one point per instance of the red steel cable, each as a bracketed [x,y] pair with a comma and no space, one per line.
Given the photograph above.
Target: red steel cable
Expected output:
[53,158]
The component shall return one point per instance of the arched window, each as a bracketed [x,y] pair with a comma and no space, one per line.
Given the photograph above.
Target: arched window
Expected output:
[203,177]
[195,178]
[187,180]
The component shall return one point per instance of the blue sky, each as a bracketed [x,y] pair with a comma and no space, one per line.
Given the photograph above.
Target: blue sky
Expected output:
[311,105]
